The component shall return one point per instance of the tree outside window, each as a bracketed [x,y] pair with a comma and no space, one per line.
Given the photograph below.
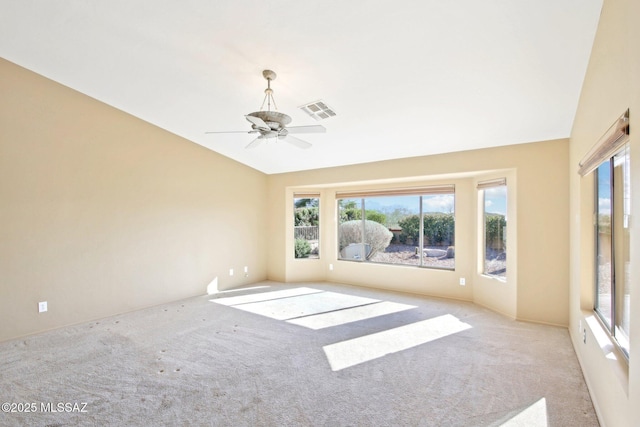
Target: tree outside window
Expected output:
[306,229]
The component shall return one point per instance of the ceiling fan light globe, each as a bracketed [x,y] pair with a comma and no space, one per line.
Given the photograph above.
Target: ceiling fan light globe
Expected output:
[270,134]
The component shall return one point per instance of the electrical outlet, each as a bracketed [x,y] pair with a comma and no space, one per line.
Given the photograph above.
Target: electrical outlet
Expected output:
[584,336]
[579,326]
[42,307]
[231,272]
[246,271]
[463,282]
[330,267]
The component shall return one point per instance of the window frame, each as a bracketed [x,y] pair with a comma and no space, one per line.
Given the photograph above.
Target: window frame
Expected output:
[482,187]
[419,193]
[614,141]
[611,324]
[299,196]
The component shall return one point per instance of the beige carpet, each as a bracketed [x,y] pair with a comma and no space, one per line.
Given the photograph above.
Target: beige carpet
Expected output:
[309,355]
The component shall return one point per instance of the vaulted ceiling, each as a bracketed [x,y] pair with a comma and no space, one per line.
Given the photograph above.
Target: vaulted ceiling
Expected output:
[405,78]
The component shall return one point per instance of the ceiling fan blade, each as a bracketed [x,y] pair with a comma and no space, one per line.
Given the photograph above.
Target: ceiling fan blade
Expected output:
[307,129]
[255,143]
[258,122]
[296,141]
[234,131]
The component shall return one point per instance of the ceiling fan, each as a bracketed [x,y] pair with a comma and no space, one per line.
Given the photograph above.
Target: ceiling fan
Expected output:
[273,124]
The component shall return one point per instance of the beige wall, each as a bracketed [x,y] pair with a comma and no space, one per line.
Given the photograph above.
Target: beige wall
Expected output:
[612,85]
[537,284]
[102,213]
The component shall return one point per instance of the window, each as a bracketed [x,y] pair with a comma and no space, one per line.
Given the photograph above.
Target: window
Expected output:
[612,208]
[609,161]
[306,225]
[402,227]
[494,235]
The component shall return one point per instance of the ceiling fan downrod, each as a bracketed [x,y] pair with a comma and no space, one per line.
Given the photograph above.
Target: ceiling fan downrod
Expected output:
[268,97]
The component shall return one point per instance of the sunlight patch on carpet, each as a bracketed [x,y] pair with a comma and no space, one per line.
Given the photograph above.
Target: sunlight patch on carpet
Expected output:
[236,290]
[264,296]
[352,352]
[303,305]
[349,315]
[312,308]
[532,416]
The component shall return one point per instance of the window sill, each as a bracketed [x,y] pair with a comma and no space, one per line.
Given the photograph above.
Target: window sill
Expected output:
[423,267]
[496,278]
[614,356]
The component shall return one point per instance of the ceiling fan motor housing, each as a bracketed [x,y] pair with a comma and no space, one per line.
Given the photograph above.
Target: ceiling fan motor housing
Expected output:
[273,119]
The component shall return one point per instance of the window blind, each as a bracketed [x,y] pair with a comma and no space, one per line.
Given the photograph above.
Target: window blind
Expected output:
[405,191]
[611,142]
[306,195]
[492,183]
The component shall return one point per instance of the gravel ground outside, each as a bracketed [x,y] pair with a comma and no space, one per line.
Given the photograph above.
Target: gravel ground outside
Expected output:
[406,255]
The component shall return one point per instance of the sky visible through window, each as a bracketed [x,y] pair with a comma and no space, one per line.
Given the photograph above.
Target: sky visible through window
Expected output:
[495,200]
[436,203]
[604,189]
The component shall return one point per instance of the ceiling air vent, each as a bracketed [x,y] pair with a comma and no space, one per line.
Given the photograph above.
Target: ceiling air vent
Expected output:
[318,110]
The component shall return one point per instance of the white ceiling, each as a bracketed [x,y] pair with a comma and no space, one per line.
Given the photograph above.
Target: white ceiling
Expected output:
[406,78]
